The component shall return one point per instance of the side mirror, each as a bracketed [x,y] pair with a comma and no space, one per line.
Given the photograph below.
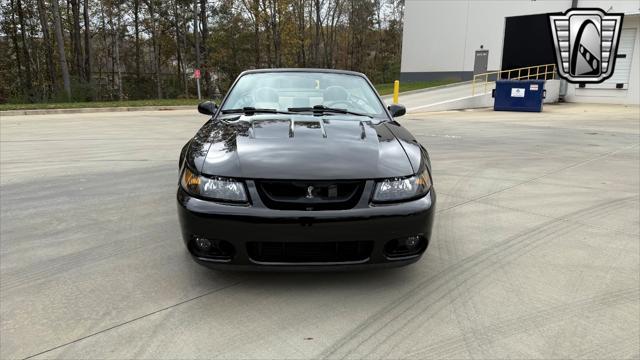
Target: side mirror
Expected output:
[207,108]
[397,110]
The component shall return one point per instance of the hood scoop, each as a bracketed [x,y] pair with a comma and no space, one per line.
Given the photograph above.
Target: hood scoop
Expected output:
[270,129]
[309,129]
[306,148]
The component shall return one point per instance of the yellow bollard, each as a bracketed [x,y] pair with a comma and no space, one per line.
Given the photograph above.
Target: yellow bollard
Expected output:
[396,91]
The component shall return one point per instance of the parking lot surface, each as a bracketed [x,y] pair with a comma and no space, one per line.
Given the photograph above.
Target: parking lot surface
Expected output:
[535,250]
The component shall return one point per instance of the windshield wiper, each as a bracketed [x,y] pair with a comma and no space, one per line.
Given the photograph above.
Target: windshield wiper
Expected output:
[321,109]
[248,110]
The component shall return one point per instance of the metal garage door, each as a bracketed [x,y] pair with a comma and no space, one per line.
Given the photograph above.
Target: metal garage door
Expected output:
[620,77]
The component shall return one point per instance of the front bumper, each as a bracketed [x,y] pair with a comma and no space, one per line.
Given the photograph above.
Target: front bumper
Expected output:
[240,225]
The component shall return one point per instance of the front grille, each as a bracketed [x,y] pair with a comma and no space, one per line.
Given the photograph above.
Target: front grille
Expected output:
[310,195]
[310,252]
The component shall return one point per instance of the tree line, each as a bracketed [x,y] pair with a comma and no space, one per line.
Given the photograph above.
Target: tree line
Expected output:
[84,50]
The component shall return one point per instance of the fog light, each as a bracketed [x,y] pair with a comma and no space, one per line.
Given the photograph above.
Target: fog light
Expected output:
[412,242]
[403,247]
[211,248]
[203,244]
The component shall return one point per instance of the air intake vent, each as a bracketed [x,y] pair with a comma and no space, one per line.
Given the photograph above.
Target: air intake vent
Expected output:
[310,252]
[310,195]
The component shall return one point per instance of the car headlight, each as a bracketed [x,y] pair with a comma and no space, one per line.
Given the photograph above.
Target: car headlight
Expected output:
[399,189]
[215,188]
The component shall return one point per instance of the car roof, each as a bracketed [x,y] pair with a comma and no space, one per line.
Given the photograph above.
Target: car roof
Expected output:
[281,70]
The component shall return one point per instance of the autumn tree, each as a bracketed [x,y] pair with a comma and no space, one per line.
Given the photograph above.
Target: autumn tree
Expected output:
[83,50]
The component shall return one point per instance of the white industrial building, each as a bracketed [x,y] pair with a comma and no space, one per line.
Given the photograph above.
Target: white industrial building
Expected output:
[441,38]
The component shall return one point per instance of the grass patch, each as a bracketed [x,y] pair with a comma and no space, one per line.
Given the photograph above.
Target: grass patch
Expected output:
[387,89]
[383,89]
[100,104]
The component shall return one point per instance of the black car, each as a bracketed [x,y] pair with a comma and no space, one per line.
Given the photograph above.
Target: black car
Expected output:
[304,169]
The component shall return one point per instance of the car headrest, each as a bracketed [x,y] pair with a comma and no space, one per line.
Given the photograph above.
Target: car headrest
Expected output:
[266,94]
[300,102]
[335,93]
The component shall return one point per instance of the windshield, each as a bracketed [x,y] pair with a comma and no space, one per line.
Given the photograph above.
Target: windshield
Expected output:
[295,90]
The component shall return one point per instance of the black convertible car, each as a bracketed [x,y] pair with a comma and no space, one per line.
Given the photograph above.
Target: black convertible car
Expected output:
[304,169]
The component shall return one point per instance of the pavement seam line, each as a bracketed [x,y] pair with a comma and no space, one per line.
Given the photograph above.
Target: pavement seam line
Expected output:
[134,319]
[599,157]
[546,215]
[512,247]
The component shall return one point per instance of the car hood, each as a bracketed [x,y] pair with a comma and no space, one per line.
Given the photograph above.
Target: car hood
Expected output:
[301,147]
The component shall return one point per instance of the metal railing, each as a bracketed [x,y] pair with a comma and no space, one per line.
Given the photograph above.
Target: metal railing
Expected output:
[482,80]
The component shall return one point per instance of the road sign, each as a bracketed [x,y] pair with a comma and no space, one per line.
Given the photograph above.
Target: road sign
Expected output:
[196,75]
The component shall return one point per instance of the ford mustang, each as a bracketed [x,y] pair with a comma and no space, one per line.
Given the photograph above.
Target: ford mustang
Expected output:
[304,169]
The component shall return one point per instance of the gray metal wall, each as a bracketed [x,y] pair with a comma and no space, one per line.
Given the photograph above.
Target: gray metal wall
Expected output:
[440,36]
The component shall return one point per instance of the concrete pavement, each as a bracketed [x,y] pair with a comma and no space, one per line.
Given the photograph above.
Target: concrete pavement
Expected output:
[30,112]
[535,250]
[418,100]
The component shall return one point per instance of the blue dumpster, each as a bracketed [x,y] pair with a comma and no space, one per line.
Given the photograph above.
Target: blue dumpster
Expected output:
[518,95]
